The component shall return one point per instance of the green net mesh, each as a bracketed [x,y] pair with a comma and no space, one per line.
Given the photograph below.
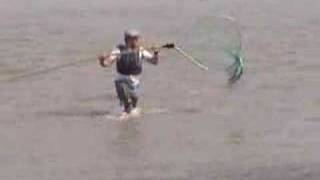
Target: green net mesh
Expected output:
[216,43]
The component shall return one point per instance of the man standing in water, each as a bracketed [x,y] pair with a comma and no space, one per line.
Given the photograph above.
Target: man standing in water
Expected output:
[128,58]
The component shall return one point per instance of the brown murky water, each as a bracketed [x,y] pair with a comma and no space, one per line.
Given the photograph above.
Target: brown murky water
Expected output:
[53,126]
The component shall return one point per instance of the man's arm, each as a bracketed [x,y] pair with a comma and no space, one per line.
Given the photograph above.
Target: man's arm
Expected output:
[151,58]
[106,60]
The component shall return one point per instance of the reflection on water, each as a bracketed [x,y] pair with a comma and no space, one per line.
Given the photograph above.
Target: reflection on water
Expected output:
[129,140]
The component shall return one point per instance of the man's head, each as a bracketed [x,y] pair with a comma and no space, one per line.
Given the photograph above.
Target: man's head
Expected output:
[131,38]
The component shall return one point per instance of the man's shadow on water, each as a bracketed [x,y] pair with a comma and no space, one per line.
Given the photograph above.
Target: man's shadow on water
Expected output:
[83,110]
[75,113]
[109,96]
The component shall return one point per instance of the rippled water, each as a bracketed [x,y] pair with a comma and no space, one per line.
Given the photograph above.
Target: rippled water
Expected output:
[54,126]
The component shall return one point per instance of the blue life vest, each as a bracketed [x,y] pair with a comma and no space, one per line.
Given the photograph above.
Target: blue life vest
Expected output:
[129,63]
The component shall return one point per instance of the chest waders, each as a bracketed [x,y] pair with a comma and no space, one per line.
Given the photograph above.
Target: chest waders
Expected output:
[129,64]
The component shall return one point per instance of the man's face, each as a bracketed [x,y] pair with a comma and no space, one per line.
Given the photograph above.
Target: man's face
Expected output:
[133,42]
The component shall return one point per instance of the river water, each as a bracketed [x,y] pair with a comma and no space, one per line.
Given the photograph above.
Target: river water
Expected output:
[55,125]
